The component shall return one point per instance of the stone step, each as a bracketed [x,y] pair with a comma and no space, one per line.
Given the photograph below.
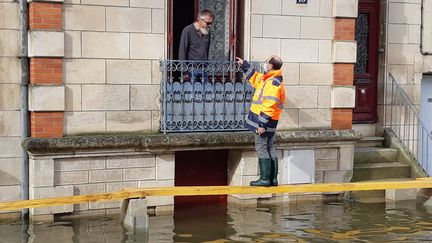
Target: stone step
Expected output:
[365,129]
[374,154]
[387,170]
[375,196]
[367,142]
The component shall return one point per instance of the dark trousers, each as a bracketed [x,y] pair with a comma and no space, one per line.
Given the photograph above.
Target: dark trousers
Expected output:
[198,76]
[265,147]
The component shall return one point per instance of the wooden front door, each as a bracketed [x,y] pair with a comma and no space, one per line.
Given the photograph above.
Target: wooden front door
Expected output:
[223,31]
[366,68]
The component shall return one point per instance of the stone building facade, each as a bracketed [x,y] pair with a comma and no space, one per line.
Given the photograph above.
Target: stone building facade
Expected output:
[94,68]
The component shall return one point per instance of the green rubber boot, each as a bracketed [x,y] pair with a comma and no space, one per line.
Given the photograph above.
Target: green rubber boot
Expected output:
[265,167]
[274,172]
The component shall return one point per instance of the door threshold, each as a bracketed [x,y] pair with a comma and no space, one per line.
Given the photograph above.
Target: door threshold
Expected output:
[367,130]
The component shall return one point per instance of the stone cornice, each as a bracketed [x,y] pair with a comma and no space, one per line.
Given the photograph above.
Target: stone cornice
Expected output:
[177,142]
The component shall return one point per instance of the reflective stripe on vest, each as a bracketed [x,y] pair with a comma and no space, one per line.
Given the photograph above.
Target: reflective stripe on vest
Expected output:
[254,124]
[261,97]
[249,71]
[280,103]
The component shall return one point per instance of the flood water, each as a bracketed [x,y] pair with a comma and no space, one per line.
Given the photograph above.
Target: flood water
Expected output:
[303,222]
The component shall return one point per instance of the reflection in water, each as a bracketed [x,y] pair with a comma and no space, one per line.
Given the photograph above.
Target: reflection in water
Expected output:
[302,222]
[204,223]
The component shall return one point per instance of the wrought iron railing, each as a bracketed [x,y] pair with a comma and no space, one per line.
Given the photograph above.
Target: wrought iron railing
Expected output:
[402,118]
[204,96]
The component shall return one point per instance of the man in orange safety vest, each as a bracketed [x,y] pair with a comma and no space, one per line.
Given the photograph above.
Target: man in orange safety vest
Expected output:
[265,111]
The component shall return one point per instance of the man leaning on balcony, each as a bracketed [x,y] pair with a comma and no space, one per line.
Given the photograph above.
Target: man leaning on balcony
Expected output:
[195,43]
[265,111]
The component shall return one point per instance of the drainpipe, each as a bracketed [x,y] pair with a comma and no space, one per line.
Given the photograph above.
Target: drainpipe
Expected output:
[421,30]
[24,104]
[386,72]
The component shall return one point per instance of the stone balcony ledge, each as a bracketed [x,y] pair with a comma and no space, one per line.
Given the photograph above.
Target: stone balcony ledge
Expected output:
[177,142]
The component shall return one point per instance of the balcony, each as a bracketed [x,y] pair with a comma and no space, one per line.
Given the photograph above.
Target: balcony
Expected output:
[214,97]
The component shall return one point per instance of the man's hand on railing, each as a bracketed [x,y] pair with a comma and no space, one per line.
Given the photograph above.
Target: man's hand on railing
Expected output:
[239,60]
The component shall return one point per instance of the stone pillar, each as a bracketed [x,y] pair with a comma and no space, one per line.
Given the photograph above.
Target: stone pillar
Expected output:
[344,57]
[401,194]
[41,185]
[46,52]
[134,215]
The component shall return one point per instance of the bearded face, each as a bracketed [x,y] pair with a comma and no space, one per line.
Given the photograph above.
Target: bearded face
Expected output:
[205,24]
[204,31]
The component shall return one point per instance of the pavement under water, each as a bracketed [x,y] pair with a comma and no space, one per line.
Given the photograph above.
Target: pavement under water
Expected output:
[337,221]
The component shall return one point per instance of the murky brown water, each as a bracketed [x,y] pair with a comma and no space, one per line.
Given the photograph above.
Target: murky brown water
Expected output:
[303,222]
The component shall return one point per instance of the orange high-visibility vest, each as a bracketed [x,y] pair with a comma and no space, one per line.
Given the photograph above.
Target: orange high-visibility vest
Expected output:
[268,100]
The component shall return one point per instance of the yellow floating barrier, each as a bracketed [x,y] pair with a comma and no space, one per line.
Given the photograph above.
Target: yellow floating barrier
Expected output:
[138,192]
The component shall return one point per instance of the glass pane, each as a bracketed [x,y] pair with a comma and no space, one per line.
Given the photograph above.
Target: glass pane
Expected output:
[219,44]
[362,38]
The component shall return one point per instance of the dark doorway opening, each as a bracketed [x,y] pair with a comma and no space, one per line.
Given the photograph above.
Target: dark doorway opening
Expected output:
[183,15]
[225,41]
[200,168]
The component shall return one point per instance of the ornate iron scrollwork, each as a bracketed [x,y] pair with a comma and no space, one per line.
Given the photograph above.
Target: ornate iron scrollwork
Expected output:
[215,97]
[362,38]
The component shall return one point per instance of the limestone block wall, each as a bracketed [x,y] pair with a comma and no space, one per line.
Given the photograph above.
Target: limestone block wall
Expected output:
[10,101]
[101,172]
[98,173]
[113,48]
[111,65]
[427,29]
[107,163]
[403,44]
[333,164]
[401,37]
[302,35]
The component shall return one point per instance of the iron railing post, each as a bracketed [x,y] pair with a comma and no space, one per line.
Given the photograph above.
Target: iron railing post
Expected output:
[391,104]
[163,95]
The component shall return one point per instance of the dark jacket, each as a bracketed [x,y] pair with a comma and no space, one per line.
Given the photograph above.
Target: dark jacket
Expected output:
[193,46]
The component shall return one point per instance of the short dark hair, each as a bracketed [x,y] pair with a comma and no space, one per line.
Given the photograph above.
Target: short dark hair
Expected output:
[276,62]
[206,12]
